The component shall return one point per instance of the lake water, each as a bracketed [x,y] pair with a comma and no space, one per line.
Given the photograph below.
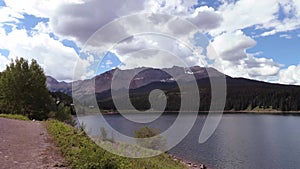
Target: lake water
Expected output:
[241,141]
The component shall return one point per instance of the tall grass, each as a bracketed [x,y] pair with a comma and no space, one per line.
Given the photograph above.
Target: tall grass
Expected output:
[81,152]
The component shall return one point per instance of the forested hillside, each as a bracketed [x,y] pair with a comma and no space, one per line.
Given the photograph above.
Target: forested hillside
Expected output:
[242,94]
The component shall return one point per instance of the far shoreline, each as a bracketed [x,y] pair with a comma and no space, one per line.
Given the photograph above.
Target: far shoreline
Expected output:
[254,112]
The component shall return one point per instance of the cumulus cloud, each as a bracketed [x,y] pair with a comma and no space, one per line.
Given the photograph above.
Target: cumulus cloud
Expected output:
[232,46]
[250,67]
[290,9]
[158,51]
[229,50]
[206,18]
[291,75]
[56,59]
[241,14]
[150,58]
[173,7]
[38,8]
[261,67]
[149,31]
[246,13]
[78,20]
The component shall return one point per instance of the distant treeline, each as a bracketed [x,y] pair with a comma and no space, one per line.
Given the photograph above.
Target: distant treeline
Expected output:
[242,94]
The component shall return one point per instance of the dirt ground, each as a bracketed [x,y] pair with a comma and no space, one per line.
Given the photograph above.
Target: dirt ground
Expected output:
[26,145]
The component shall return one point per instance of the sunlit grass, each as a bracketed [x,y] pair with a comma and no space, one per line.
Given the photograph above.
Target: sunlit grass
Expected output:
[14,116]
[81,152]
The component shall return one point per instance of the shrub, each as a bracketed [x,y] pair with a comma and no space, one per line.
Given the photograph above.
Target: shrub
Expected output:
[150,138]
[103,133]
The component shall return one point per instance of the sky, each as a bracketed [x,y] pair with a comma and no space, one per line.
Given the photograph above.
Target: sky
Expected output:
[241,38]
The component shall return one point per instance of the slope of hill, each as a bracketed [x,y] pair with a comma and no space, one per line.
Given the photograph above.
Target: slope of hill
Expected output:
[54,86]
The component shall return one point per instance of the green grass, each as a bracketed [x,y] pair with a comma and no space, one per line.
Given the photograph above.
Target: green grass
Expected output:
[14,116]
[81,152]
[264,109]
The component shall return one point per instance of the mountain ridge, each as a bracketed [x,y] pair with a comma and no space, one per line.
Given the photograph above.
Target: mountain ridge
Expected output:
[242,94]
[145,76]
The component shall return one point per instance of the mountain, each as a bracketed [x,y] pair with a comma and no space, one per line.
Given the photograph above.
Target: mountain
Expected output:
[54,86]
[242,94]
[140,77]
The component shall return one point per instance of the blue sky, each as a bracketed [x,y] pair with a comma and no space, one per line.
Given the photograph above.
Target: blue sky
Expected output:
[257,40]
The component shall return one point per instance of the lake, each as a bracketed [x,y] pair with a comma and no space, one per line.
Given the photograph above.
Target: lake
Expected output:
[241,141]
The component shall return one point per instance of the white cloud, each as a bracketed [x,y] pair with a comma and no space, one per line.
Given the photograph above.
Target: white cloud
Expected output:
[77,20]
[38,8]
[232,58]
[8,15]
[135,51]
[290,21]
[246,13]
[56,59]
[291,75]
[263,15]
[206,18]
[153,58]
[284,26]
[232,46]
[286,36]
[172,7]
[250,67]
[80,21]
[261,67]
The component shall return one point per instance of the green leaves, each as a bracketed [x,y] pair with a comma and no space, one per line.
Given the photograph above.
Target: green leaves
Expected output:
[23,90]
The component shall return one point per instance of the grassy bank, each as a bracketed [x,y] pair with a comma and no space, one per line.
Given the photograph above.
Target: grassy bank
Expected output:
[14,116]
[81,152]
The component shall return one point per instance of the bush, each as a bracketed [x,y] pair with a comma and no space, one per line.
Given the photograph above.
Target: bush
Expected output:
[154,140]
[63,114]
[103,133]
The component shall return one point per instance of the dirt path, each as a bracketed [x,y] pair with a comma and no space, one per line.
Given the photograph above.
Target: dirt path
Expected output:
[26,145]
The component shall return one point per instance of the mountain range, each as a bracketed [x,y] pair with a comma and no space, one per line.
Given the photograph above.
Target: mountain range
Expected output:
[242,94]
[143,77]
